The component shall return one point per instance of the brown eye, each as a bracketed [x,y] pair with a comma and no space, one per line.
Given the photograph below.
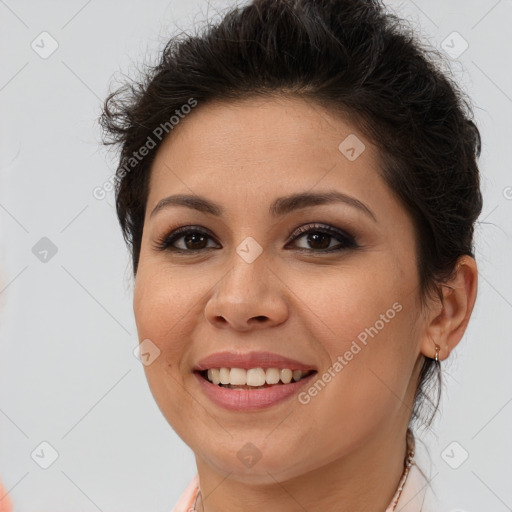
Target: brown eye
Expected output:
[194,240]
[190,240]
[319,238]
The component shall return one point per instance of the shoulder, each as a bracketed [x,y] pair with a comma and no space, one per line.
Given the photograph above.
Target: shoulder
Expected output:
[188,497]
[5,500]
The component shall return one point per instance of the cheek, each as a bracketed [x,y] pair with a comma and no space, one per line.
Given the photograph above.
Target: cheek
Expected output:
[347,303]
[162,314]
[161,319]
[363,321]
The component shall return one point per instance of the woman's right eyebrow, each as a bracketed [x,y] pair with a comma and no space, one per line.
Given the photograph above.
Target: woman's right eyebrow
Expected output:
[281,206]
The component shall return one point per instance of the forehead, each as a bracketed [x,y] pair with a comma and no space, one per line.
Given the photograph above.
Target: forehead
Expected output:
[257,124]
[256,149]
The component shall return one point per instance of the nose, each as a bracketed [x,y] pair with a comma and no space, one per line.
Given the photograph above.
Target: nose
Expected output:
[250,296]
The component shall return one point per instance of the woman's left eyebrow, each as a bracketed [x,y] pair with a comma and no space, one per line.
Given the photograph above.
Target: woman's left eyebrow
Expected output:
[281,206]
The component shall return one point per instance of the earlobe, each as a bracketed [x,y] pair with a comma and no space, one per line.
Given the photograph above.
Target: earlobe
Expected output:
[448,324]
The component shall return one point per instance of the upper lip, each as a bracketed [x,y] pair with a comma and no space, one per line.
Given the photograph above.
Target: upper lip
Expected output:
[250,360]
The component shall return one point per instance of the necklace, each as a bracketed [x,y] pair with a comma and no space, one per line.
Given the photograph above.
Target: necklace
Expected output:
[408,462]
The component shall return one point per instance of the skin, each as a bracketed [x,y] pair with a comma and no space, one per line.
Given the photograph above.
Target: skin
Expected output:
[345,449]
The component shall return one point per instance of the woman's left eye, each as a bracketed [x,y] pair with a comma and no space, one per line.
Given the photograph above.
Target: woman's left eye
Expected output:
[320,237]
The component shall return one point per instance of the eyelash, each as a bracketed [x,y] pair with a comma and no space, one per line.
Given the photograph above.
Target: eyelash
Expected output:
[347,241]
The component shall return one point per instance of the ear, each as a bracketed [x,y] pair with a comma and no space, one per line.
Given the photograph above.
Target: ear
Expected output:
[448,321]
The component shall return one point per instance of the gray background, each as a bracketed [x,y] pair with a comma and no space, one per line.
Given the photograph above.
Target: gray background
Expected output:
[68,375]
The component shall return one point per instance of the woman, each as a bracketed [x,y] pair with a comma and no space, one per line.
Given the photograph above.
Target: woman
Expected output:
[298,186]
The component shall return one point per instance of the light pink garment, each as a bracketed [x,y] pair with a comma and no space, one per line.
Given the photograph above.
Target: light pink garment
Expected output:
[188,497]
[411,499]
[5,500]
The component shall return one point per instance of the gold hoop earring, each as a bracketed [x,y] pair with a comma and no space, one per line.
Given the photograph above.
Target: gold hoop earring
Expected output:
[436,357]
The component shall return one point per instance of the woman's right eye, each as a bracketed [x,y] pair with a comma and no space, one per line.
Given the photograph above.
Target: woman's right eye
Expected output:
[191,240]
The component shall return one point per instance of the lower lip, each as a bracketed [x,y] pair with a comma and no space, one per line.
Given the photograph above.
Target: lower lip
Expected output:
[250,399]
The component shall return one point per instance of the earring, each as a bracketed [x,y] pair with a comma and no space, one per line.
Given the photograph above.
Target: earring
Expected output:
[436,357]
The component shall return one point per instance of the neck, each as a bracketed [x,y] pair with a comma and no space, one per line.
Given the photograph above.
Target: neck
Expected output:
[366,479]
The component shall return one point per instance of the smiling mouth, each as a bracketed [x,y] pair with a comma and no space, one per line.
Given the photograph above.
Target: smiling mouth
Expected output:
[253,378]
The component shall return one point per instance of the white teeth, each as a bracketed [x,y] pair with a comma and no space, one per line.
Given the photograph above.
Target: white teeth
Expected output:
[255,377]
[224,375]
[238,377]
[214,375]
[272,376]
[286,375]
[297,375]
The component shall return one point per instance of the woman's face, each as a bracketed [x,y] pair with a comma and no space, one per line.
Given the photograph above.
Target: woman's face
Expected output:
[341,302]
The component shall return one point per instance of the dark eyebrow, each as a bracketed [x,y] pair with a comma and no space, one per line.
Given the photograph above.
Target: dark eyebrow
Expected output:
[281,206]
